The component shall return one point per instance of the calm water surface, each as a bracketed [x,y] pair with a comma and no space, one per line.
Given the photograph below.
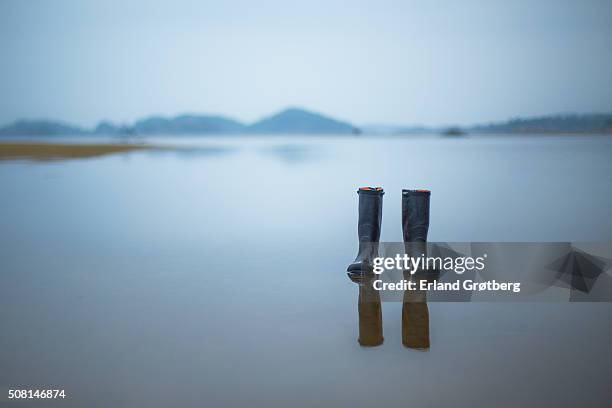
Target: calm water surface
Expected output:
[215,275]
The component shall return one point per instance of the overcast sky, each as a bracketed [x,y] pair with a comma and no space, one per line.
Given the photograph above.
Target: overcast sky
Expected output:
[404,62]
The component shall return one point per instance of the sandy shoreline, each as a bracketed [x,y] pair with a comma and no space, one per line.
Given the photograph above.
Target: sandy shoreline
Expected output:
[62,151]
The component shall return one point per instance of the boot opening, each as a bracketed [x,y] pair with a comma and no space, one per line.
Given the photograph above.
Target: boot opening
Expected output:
[417,191]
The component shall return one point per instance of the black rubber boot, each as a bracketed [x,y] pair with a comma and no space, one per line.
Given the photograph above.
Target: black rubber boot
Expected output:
[415,215]
[415,226]
[368,229]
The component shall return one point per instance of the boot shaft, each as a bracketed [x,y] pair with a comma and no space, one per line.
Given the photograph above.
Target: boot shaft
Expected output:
[370,213]
[415,215]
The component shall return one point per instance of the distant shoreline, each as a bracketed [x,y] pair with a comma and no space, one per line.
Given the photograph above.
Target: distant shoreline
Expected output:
[297,121]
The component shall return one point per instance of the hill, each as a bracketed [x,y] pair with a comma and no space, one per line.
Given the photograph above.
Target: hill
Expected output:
[41,127]
[188,124]
[296,120]
[591,123]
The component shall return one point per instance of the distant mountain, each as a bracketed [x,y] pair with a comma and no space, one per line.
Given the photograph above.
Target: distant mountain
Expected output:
[188,124]
[40,128]
[588,123]
[106,128]
[296,120]
[110,129]
[591,123]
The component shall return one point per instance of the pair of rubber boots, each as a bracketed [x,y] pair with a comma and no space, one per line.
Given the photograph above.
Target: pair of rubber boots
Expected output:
[415,225]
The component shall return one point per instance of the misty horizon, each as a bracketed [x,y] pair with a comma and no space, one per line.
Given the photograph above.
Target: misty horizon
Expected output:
[302,108]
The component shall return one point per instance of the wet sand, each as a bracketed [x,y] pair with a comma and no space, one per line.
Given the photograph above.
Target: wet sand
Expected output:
[63,151]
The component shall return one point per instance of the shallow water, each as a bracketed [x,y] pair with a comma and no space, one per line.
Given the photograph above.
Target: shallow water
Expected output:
[215,275]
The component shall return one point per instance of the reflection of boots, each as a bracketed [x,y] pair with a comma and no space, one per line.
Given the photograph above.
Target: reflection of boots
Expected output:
[370,314]
[370,217]
[415,320]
